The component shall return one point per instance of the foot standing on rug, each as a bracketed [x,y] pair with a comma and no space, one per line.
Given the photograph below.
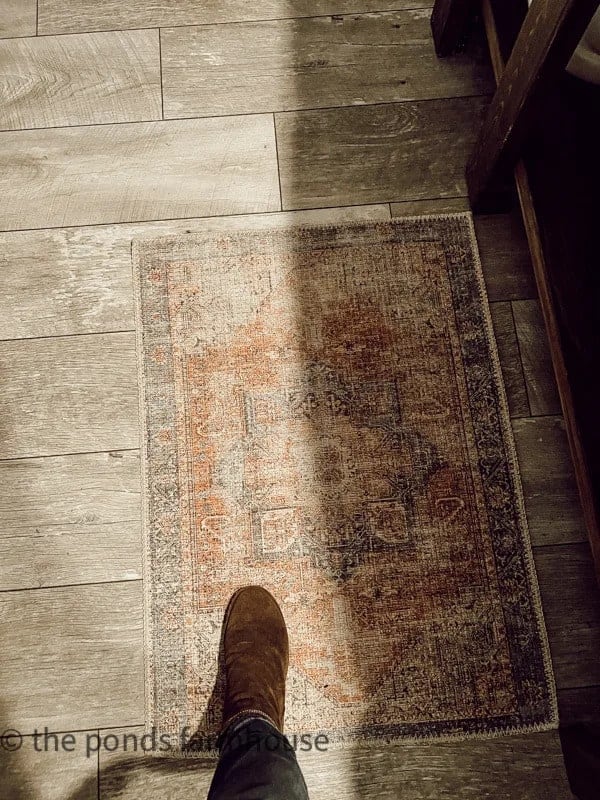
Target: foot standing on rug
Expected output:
[256,761]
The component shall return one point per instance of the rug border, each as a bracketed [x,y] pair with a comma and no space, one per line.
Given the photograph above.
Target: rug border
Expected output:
[144,479]
[518,485]
[527,548]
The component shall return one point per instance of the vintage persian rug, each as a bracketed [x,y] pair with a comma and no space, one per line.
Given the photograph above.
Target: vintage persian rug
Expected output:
[323,415]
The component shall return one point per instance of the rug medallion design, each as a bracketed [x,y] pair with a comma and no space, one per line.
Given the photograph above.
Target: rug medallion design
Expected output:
[323,415]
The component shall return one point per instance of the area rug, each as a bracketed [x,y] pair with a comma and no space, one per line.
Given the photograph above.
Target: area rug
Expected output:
[323,415]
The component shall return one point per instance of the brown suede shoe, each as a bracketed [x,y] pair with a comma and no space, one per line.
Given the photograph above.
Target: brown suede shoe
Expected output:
[255,655]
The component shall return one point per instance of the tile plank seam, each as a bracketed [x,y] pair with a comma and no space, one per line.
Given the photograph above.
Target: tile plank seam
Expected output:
[213,216]
[127,581]
[160,67]
[275,112]
[201,24]
[512,312]
[73,453]
[278,164]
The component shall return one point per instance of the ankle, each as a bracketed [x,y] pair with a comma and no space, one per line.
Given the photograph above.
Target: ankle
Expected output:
[243,716]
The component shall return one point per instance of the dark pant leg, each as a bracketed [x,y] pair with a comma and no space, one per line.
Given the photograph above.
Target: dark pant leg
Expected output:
[257,763]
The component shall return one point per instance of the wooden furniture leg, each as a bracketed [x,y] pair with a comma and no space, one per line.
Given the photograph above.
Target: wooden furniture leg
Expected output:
[550,33]
[557,178]
[448,22]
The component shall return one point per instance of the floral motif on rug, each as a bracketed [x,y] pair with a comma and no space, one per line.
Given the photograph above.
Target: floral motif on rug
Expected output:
[323,415]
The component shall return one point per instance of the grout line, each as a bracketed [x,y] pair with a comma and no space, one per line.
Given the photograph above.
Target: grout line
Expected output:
[37,16]
[429,200]
[75,453]
[65,335]
[91,729]
[315,109]
[357,13]
[198,24]
[311,109]
[162,94]
[541,547]
[576,688]
[119,727]
[278,164]
[74,585]
[558,415]
[525,381]
[98,768]
[433,200]
[197,218]
[546,415]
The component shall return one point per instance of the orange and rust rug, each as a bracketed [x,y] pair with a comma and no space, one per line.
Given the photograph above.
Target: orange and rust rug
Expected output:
[323,415]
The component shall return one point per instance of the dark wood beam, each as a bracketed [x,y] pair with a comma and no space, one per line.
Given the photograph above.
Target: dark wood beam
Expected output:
[558,186]
[449,22]
[550,33]
[508,17]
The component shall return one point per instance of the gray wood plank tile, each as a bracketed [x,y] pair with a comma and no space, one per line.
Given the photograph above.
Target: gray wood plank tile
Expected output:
[70,519]
[79,80]
[72,657]
[74,16]
[520,767]
[381,153]
[138,171]
[39,772]
[17,17]
[72,394]
[310,63]
[551,497]
[505,257]
[510,359]
[571,601]
[78,280]
[535,353]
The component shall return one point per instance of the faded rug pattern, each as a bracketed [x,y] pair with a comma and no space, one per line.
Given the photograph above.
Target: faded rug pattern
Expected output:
[323,415]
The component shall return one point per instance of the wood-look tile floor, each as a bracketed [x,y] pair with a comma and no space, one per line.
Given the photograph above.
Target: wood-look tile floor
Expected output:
[131,118]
